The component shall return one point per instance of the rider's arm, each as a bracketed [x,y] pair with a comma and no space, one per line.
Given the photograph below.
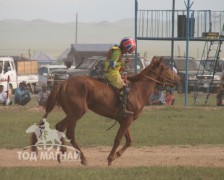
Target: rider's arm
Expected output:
[116,59]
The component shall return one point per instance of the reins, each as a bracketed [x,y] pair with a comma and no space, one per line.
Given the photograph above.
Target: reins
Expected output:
[163,83]
[155,80]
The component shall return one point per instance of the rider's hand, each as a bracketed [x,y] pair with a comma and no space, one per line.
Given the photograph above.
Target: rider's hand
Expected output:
[127,60]
[112,64]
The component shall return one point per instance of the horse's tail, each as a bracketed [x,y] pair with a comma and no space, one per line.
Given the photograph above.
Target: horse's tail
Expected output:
[54,98]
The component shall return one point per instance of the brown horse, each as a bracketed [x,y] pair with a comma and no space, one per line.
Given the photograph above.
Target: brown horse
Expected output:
[77,94]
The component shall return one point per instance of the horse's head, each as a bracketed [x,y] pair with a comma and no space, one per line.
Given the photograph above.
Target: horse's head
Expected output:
[161,73]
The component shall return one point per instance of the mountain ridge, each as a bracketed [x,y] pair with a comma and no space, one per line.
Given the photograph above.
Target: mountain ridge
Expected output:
[17,36]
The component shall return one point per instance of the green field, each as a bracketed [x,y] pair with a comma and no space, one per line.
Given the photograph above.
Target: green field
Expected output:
[139,173]
[176,125]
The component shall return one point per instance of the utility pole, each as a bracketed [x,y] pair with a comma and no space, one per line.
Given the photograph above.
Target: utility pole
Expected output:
[136,50]
[76,29]
[188,7]
[172,42]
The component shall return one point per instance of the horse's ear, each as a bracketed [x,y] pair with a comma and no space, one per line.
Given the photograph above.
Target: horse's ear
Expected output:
[153,59]
[161,59]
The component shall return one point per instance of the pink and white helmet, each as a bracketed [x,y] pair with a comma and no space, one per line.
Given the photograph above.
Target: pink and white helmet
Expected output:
[128,44]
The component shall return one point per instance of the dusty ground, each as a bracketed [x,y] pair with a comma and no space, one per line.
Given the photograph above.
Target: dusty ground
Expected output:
[205,156]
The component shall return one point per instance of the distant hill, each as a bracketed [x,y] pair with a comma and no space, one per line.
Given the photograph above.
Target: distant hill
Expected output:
[18,36]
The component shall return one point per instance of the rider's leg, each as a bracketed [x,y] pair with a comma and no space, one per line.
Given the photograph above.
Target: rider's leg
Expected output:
[124,98]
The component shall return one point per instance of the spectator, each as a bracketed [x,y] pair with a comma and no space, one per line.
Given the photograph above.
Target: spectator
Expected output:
[220,98]
[169,98]
[3,97]
[157,98]
[42,96]
[22,94]
[68,64]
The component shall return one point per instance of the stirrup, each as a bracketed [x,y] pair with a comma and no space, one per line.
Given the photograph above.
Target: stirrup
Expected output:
[126,112]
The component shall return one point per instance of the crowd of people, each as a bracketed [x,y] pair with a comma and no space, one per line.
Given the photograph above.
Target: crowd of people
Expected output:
[159,98]
[23,95]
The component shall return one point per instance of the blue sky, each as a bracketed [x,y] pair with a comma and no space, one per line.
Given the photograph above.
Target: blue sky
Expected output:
[90,10]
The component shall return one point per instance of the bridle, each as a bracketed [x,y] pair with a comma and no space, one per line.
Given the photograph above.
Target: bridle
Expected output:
[170,82]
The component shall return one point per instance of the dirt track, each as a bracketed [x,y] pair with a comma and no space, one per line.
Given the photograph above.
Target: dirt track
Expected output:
[205,156]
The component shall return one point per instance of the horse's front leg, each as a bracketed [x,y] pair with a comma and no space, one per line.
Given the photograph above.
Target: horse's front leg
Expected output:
[127,144]
[121,131]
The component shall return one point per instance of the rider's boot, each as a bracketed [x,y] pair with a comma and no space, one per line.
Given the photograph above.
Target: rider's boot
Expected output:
[124,100]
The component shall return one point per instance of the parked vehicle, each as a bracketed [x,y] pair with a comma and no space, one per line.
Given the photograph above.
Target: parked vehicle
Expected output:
[46,75]
[216,67]
[209,64]
[194,73]
[94,67]
[18,71]
[85,68]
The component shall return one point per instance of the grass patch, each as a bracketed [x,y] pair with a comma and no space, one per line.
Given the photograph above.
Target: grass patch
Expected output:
[157,127]
[14,125]
[172,173]
[176,125]
[171,126]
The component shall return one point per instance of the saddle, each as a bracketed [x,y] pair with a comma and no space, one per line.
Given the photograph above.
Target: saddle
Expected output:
[108,83]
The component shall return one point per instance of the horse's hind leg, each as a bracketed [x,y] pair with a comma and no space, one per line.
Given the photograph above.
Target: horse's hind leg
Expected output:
[61,126]
[70,133]
[33,142]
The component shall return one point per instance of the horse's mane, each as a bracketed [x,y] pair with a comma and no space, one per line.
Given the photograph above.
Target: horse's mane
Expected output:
[145,71]
[139,76]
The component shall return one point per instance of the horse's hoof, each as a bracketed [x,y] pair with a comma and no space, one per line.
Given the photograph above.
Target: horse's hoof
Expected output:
[118,154]
[63,149]
[109,163]
[58,158]
[84,162]
[34,149]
